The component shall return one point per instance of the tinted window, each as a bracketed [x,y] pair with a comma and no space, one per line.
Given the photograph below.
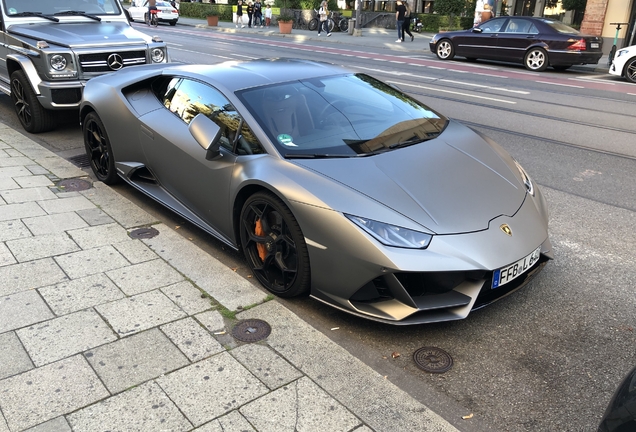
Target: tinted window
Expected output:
[186,99]
[97,7]
[516,25]
[340,116]
[560,27]
[493,25]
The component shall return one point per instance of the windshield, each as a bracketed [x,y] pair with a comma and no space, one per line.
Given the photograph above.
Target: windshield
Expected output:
[49,7]
[340,116]
[560,27]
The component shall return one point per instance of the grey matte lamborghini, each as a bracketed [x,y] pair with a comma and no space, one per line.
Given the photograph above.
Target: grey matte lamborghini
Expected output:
[332,183]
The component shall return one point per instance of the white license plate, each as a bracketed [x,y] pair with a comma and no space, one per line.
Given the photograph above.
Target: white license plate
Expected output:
[513,271]
[594,45]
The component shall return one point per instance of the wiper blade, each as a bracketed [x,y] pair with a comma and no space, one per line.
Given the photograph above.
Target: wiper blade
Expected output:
[413,140]
[79,13]
[35,14]
[315,156]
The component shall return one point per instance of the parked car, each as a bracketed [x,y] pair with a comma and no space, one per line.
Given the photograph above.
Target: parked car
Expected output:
[49,49]
[624,63]
[620,415]
[332,183]
[535,42]
[167,13]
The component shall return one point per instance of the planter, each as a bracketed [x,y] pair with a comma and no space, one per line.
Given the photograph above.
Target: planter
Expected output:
[213,20]
[285,27]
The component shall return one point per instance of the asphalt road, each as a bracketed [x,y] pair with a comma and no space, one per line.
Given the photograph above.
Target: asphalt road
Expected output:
[548,357]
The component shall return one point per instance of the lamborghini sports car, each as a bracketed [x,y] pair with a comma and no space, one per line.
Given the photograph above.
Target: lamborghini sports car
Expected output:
[332,183]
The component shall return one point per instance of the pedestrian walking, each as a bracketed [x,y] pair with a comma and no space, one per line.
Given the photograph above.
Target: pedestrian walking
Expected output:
[239,14]
[268,15]
[406,25]
[258,13]
[250,14]
[323,13]
[400,10]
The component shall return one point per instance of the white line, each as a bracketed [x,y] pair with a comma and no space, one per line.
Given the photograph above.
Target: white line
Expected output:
[396,61]
[558,84]
[632,94]
[395,73]
[452,92]
[594,80]
[172,43]
[485,86]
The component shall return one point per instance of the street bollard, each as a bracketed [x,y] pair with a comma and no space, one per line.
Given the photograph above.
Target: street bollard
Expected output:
[352,25]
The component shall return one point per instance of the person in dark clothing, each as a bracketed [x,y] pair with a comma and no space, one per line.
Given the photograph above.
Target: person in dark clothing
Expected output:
[400,10]
[239,14]
[406,25]
[250,14]
[258,13]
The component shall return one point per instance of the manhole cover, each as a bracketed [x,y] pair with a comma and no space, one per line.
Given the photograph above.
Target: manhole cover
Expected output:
[81,161]
[74,185]
[143,233]
[432,359]
[251,330]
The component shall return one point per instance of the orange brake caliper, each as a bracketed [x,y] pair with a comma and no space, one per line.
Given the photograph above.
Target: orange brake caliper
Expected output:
[262,249]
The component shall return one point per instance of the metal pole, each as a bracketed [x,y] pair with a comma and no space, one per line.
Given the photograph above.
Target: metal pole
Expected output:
[358,30]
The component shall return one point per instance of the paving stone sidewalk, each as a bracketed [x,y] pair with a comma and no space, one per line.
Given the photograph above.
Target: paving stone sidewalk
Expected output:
[100,331]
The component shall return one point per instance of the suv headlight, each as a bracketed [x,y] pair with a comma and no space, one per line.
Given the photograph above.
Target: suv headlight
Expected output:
[392,235]
[58,62]
[157,55]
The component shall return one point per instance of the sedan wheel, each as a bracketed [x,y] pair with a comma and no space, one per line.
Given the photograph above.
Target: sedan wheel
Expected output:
[630,70]
[32,115]
[99,150]
[445,50]
[536,60]
[274,245]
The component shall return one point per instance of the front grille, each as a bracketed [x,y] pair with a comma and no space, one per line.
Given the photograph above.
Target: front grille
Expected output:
[98,62]
[66,96]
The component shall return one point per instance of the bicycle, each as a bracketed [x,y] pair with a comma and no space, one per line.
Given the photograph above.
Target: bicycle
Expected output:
[613,50]
[154,20]
[315,22]
[299,21]
[342,22]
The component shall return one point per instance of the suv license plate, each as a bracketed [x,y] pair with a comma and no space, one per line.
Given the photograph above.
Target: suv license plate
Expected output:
[513,271]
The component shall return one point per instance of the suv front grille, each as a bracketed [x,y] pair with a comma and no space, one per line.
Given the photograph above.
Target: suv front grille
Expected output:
[111,61]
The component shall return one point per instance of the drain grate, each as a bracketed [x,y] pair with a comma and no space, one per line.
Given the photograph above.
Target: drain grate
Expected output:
[143,233]
[251,330]
[74,185]
[433,360]
[81,161]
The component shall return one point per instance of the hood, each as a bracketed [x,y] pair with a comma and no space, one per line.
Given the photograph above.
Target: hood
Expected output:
[76,35]
[456,183]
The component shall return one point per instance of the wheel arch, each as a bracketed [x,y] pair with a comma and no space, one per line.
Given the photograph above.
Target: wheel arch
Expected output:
[16,62]
[624,71]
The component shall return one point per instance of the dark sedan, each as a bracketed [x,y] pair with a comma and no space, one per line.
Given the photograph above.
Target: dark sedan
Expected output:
[535,42]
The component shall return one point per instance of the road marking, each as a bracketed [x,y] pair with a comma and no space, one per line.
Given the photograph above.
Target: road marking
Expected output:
[172,43]
[558,84]
[485,86]
[596,81]
[452,92]
[394,73]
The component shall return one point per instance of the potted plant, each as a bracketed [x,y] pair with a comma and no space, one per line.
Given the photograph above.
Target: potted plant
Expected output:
[285,22]
[213,17]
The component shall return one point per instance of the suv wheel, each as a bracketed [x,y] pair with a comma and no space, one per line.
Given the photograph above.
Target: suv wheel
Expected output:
[32,115]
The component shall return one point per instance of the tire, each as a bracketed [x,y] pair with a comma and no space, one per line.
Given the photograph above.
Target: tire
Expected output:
[278,256]
[99,150]
[33,117]
[344,25]
[630,70]
[445,50]
[536,59]
[313,24]
[330,25]
[173,23]
[561,68]
[154,21]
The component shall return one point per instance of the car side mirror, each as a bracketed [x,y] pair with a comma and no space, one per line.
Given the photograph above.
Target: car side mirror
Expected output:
[207,134]
[477,30]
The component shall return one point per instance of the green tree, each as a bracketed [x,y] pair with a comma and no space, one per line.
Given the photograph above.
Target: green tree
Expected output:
[450,7]
[575,5]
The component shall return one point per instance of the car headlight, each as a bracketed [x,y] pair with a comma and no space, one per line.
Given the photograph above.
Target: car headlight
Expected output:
[157,55]
[392,235]
[527,181]
[58,62]
[621,52]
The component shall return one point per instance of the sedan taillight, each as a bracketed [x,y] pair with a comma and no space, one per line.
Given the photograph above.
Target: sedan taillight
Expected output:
[579,45]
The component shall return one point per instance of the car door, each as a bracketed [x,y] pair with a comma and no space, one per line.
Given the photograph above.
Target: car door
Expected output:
[481,41]
[178,161]
[515,39]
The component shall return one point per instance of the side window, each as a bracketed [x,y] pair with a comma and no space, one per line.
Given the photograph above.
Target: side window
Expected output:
[533,29]
[492,25]
[187,98]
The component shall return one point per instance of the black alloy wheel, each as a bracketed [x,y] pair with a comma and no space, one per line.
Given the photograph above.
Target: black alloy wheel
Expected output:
[536,60]
[274,246]
[33,117]
[99,150]
[630,70]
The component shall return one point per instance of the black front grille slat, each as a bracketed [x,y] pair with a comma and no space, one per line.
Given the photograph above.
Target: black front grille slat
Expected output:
[98,62]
